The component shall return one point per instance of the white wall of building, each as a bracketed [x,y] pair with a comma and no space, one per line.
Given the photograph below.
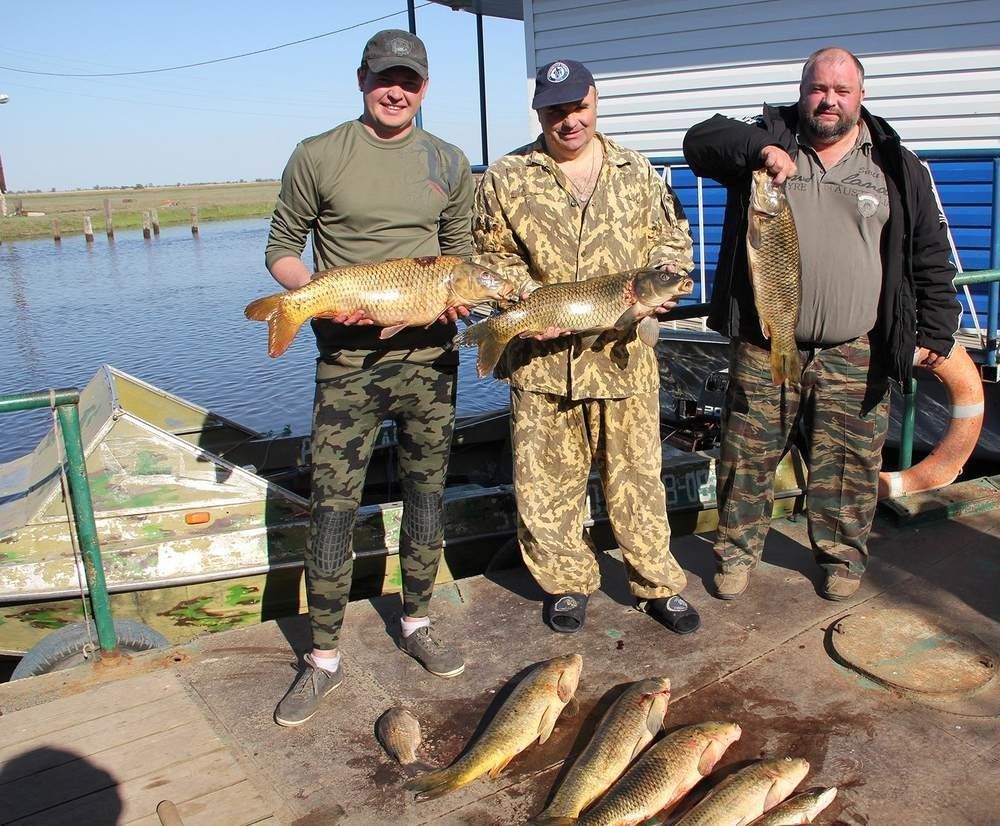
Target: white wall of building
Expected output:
[932,68]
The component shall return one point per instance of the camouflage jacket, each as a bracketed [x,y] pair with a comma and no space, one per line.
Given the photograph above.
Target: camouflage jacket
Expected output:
[527,223]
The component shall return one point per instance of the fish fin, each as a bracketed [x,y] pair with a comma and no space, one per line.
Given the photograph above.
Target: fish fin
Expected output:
[649,331]
[490,345]
[548,722]
[542,820]
[628,318]
[494,773]
[765,330]
[489,354]
[391,330]
[572,708]
[587,341]
[753,230]
[710,756]
[434,784]
[566,688]
[784,366]
[280,328]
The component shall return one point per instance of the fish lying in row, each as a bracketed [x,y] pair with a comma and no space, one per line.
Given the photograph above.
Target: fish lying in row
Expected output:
[619,301]
[405,292]
[626,728]
[775,270]
[663,775]
[528,715]
[802,808]
[399,733]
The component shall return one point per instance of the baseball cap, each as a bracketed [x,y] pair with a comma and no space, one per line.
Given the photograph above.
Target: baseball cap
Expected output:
[561,81]
[395,47]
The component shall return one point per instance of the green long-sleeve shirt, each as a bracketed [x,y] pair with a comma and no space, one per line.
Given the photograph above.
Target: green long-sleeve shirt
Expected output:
[366,199]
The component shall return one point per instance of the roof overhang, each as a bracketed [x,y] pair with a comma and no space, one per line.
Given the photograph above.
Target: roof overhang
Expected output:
[510,9]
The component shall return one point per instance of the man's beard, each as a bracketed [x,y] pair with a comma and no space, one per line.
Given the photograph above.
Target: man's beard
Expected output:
[817,128]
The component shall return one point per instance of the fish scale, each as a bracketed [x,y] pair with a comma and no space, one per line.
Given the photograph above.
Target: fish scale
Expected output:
[775,270]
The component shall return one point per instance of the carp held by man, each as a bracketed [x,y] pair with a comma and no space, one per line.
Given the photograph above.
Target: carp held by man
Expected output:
[618,301]
[526,716]
[403,292]
[775,272]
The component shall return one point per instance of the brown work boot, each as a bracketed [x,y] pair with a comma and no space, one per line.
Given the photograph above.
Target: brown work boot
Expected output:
[731,582]
[838,587]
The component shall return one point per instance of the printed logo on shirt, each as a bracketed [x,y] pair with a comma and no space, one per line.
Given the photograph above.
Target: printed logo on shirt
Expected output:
[557,72]
[867,204]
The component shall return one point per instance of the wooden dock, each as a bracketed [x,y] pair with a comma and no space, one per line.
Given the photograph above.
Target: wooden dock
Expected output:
[106,744]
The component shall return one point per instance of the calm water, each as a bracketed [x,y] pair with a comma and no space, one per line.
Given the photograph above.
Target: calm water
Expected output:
[168,311]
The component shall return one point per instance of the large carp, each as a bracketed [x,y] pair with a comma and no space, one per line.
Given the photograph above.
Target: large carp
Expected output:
[606,302]
[403,292]
[775,271]
[747,794]
[527,715]
[666,772]
[803,808]
[626,728]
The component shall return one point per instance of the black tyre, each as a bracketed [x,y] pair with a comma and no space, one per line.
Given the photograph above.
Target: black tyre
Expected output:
[65,648]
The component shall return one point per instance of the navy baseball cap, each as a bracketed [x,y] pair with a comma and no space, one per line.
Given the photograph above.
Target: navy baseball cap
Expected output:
[395,47]
[561,81]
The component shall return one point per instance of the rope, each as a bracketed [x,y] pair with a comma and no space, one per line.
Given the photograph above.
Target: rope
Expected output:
[90,648]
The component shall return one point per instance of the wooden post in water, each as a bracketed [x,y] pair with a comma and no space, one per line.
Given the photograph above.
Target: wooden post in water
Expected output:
[56,231]
[109,226]
[156,222]
[88,230]
[145,224]
[194,220]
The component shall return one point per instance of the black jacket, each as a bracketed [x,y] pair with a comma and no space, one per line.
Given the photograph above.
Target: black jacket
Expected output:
[917,306]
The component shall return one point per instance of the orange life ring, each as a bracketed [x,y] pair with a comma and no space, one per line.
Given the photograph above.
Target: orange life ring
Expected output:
[942,465]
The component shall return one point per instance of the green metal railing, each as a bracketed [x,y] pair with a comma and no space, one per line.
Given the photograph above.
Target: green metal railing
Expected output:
[66,403]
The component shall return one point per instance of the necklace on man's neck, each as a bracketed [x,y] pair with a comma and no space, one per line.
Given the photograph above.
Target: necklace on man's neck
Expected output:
[584,190]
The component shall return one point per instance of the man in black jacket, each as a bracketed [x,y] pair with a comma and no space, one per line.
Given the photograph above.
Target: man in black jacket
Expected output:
[876,298]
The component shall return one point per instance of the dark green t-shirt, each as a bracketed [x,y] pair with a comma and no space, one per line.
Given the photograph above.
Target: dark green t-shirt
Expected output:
[366,199]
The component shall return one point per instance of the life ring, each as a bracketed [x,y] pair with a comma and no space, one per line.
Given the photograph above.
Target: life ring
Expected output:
[942,465]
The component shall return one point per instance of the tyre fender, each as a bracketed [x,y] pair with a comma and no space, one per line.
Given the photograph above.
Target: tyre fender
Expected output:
[62,646]
[942,465]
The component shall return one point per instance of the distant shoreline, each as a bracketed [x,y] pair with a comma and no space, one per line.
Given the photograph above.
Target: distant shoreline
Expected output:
[215,202]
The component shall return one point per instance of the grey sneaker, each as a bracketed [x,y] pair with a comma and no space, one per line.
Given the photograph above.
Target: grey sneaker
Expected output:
[302,700]
[431,653]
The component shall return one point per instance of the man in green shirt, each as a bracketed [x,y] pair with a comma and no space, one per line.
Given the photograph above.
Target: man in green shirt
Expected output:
[373,189]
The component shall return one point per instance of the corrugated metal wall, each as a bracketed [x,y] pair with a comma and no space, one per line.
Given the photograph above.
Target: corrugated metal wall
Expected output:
[933,68]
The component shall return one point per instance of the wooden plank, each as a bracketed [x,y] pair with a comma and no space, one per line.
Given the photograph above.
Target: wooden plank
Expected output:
[29,723]
[79,777]
[96,735]
[237,804]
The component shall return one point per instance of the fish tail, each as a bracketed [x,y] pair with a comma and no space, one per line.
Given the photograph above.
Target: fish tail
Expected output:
[785,365]
[490,346]
[281,329]
[434,784]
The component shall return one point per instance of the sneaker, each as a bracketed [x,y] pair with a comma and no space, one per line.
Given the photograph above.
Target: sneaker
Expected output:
[731,582]
[837,587]
[431,653]
[303,699]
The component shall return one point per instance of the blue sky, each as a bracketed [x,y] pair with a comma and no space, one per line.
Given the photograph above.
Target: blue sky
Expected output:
[233,120]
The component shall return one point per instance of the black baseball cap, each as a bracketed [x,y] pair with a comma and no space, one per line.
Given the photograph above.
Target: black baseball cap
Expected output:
[395,47]
[561,81]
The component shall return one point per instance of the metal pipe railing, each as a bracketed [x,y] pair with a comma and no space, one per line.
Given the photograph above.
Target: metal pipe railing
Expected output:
[65,402]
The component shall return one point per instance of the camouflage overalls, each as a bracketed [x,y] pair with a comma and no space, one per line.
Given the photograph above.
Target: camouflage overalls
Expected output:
[759,420]
[568,409]
[353,397]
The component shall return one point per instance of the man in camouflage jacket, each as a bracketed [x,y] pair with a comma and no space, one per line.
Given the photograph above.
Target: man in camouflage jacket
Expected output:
[568,207]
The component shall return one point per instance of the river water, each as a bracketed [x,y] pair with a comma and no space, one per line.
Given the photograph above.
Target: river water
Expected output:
[170,312]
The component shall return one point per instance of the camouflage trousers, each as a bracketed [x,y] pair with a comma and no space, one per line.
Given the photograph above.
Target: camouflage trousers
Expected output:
[555,441]
[843,457]
[350,404]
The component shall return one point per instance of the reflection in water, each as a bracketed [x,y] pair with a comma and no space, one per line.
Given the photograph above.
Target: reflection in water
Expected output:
[170,312]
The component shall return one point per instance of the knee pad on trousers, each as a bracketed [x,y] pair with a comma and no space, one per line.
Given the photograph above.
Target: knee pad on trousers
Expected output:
[422,515]
[332,532]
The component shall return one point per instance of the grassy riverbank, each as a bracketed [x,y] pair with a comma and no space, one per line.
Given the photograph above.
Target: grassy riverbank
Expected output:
[215,202]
